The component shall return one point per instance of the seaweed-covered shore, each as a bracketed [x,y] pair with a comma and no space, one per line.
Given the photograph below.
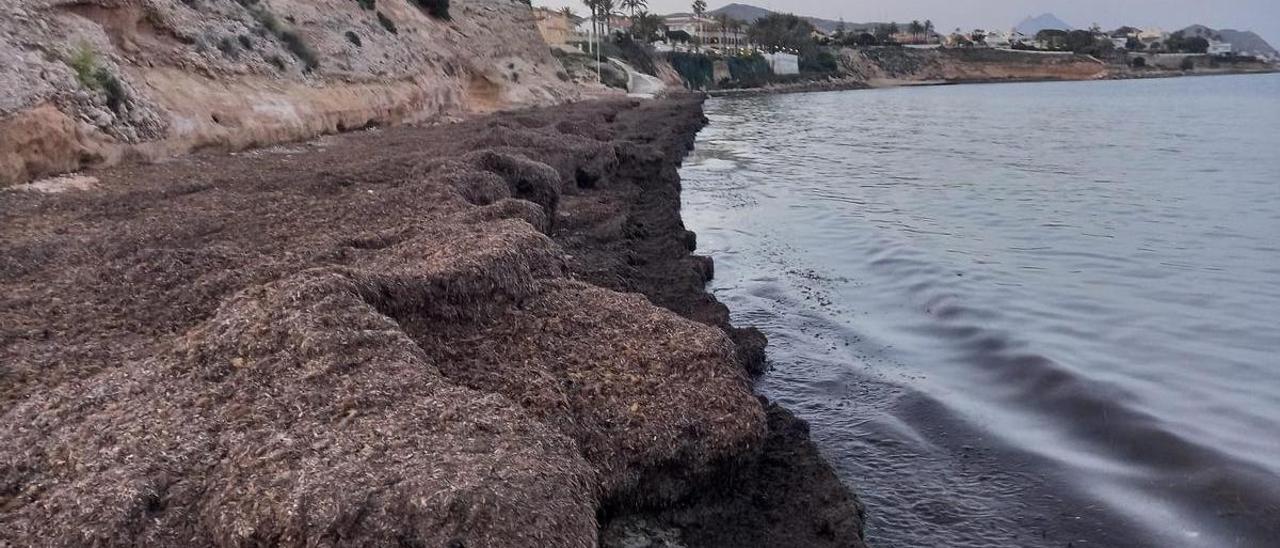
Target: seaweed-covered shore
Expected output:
[490,333]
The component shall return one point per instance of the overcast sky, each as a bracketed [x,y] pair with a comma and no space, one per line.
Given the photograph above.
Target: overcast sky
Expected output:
[1261,16]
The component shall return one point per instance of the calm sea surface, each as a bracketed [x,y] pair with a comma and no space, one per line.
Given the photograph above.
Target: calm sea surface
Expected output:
[1017,314]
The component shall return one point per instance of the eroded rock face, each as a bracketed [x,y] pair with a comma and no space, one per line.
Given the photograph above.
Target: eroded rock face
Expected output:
[887,65]
[367,340]
[154,78]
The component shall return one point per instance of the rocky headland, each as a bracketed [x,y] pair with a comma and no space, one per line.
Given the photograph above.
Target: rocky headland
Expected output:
[881,67]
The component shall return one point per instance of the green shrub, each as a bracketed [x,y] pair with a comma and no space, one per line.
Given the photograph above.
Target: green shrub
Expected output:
[290,38]
[387,24]
[749,71]
[631,52]
[367,5]
[267,19]
[246,42]
[228,48]
[438,9]
[612,76]
[695,68]
[293,42]
[84,62]
[354,39]
[111,86]
[820,62]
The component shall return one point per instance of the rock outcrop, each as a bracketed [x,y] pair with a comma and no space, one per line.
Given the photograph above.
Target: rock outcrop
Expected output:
[881,66]
[89,82]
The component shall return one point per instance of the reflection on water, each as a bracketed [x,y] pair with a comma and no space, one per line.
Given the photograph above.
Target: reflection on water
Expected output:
[1024,314]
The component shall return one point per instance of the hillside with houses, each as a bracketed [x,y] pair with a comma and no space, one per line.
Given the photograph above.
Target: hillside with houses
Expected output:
[743,46]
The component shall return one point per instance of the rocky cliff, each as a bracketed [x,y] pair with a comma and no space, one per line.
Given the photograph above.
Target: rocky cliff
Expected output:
[88,82]
[897,65]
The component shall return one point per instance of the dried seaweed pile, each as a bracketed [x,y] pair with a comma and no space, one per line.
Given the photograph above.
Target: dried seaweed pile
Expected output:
[366,340]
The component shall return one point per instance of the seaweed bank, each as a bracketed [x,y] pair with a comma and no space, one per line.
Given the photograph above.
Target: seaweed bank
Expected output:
[490,333]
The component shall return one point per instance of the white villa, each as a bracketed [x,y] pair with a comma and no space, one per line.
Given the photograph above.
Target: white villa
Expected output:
[706,29]
[1152,36]
[999,39]
[1219,48]
[697,27]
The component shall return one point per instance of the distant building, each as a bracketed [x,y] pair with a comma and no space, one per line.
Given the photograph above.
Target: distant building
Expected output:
[1151,36]
[699,28]
[910,38]
[999,39]
[554,26]
[619,23]
[706,30]
[1220,48]
[1017,38]
[957,40]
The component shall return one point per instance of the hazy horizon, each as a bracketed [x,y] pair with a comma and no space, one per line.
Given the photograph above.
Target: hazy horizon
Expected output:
[1260,16]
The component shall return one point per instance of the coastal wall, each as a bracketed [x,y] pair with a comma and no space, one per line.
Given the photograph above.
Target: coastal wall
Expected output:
[89,82]
[490,333]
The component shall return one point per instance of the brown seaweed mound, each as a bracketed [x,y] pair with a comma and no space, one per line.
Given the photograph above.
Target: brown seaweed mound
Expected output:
[374,339]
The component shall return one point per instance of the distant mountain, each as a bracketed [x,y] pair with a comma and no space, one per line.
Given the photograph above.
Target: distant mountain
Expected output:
[1242,42]
[748,14]
[741,12]
[1032,25]
[1201,31]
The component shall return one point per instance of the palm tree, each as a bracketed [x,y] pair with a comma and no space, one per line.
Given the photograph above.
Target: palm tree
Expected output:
[645,25]
[594,7]
[915,28]
[928,30]
[699,9]
[608,8]
[633,6]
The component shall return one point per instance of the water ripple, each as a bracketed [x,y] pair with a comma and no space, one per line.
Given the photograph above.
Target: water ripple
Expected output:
[1023,315]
